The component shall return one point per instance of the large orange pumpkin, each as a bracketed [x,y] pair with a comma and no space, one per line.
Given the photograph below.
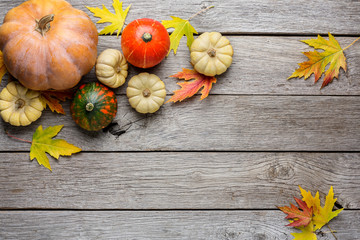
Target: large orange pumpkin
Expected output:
[48,44]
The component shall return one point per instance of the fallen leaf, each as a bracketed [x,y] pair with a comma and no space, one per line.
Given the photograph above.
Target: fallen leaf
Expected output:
[181,27]
[301,218]
[325,214]
[53,98]
[189,89]
[43,143]
[311,201]
[333,54]
[3,69]
[117,20]
[307,233]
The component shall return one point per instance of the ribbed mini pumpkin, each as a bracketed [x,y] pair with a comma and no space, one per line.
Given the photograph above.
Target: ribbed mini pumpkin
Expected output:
[111,68]
[94,106]
[145,42]
[211,53]
[146,92]
[48,44]
[20,106]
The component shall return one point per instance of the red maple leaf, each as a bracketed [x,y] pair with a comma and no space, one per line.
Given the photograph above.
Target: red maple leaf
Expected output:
[301,218]
[189,89]
[53,99]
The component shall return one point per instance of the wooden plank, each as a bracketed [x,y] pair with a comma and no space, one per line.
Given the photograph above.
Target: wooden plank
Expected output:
[219,123]
[247,16]
[176,180]
[261,65]
[219,225]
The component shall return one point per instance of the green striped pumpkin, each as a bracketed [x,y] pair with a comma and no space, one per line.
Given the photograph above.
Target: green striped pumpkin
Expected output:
[94,106]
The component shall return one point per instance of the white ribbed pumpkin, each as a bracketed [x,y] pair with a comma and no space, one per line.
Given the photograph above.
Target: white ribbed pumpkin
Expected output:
[20,106]
[211,54]
[111,68]
[146,93]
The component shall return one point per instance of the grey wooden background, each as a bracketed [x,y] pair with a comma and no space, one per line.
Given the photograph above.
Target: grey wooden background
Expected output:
[211,169]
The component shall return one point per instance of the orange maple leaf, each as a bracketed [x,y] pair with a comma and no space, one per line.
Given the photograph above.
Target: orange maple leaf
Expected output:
[53,99]
[333,54]
[189,89]
[301,218]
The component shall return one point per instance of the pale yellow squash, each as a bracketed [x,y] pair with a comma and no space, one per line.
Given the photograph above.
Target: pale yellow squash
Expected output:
[211,54]
[20,106]
[111,68]
[146,93]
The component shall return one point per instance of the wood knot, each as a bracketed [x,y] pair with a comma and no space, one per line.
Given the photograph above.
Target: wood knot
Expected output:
[278,171]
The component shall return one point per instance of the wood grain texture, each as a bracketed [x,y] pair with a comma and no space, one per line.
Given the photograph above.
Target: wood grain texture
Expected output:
[261,65]
[247,16]
[251,108]
[176,180]
[219,123]
[204,225]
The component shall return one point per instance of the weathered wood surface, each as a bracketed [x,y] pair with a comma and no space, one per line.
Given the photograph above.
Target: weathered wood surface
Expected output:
[240,152]
[261,65]
[243,16]
[140,225]
[176,180]
[221,123]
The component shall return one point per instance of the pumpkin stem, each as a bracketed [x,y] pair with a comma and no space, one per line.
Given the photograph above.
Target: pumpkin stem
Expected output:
[146,37]
[212,52]
[43,25]
[89,107]
[118,69]
[20,103]
[146,93]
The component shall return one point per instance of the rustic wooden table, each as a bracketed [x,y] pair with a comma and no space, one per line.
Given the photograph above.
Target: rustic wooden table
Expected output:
[211,169]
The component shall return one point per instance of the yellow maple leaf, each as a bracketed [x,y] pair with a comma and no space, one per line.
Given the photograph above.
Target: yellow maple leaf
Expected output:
[181,27]
[3,69]
[43,143]
[325,214]
[333,54]
[307,233]
[311,201]
[117,20]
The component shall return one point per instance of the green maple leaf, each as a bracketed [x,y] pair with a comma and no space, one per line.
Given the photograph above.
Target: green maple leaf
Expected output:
[117,20]
[43,143]
[181,27]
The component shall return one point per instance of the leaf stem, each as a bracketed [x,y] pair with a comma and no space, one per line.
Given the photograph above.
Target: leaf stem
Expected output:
[200,12]
[19,139]
[352,43]
[332,232]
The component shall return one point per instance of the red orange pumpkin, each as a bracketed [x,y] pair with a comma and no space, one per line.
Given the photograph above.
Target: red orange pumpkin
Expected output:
[145,42]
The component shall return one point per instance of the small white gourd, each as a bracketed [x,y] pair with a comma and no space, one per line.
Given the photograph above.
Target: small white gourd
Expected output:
[111,68]
[211,54]
[146,93]
[20,106]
